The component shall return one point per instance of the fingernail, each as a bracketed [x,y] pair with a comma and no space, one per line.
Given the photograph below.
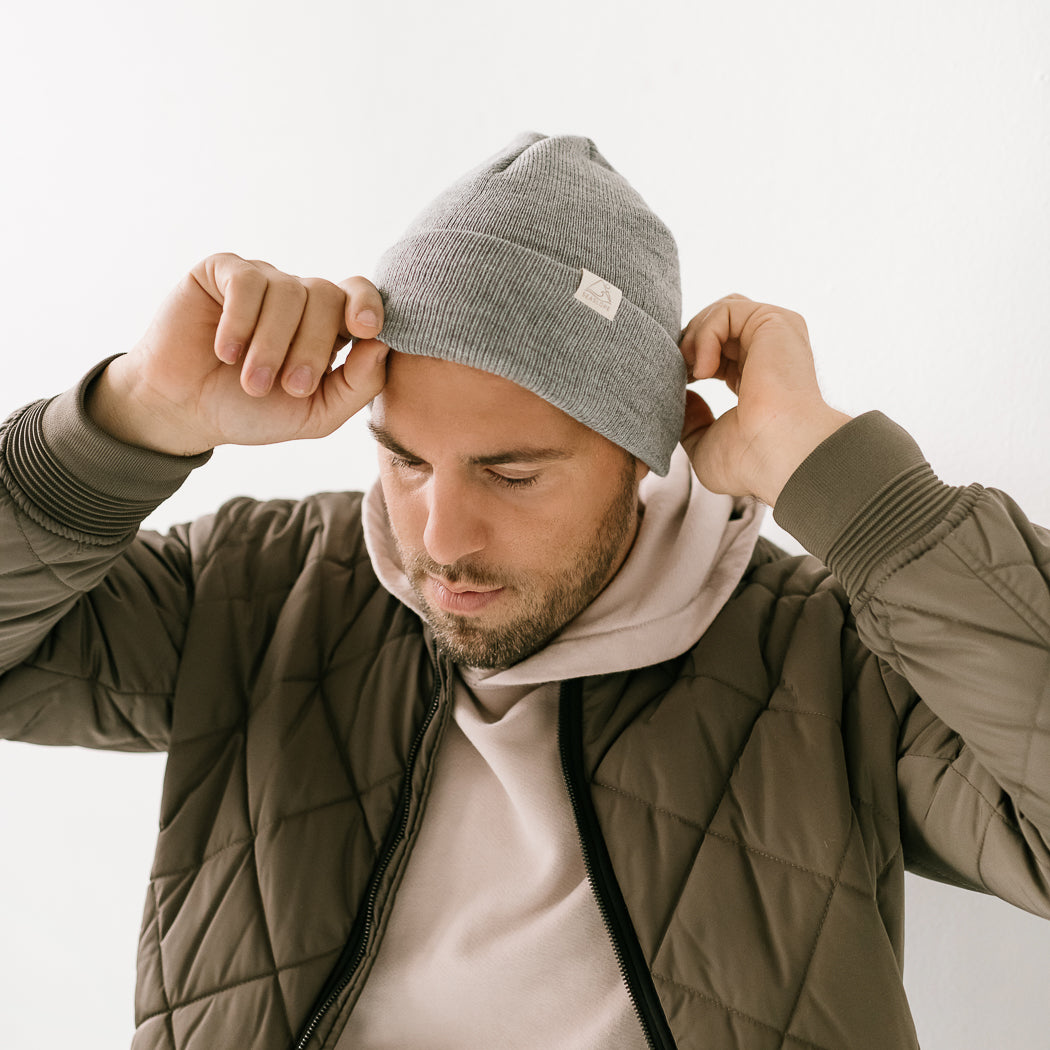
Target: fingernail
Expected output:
[369,318]
[260,380]
[229,353]
[301,381]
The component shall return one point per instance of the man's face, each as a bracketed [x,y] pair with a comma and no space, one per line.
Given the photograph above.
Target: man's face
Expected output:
[509,515]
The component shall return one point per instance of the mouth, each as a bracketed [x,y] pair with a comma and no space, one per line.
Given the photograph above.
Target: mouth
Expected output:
[462,598]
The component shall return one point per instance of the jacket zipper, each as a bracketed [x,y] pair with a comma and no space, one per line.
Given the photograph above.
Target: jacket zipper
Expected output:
[602,877]
[354,952]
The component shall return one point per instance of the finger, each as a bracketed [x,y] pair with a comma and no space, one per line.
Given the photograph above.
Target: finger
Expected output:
[364,308]
[718,333]
[316,339]
[689,343]
[239,287]
[279,317]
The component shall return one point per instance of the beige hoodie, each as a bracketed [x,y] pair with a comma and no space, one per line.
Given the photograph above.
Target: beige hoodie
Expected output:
[496,939]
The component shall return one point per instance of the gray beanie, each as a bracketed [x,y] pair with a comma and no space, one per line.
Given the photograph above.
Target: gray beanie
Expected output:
[545,267]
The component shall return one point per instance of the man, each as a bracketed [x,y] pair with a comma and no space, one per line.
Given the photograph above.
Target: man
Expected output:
[538,743]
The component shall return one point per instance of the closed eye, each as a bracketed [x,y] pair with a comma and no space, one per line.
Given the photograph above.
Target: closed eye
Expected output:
[402,463]
[513,483]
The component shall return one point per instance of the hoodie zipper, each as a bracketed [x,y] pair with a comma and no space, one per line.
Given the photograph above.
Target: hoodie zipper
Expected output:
[602,877]
[354,952]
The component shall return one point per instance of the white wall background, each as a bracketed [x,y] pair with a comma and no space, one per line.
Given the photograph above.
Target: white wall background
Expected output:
[882,168]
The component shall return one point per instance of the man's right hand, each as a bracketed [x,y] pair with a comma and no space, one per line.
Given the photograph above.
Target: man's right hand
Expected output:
[241,353]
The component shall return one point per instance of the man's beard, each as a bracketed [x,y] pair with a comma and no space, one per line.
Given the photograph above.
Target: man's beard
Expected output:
[548,600]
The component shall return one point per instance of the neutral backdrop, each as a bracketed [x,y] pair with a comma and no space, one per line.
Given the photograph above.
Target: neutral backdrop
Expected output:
[884,169]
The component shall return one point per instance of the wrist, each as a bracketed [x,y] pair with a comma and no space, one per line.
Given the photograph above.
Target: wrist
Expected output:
[118,406]
[786,444]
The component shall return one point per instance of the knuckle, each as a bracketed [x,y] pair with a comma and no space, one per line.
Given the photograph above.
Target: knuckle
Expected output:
[325,292]
[794,320]
[223,270]
[221,259]
[251,278]
[243,274]
[290,290]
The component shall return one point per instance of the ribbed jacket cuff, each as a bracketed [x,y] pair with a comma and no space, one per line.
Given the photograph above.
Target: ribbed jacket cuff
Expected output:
[74,479]
[864,496]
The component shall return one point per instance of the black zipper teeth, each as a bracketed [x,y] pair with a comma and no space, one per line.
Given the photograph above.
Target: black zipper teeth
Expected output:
[633,970]
[377,875]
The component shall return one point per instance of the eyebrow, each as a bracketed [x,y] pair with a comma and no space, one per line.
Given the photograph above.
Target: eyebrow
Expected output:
[521,454]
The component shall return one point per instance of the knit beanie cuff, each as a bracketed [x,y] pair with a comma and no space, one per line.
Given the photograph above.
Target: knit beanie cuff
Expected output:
[482,301]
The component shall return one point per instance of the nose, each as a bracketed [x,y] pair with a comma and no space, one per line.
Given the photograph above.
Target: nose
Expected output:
[455,528]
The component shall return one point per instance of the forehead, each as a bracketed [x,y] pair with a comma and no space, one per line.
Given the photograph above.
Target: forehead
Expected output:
[434,401]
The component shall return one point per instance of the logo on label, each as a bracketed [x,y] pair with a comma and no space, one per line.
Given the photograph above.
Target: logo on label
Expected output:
[601,296]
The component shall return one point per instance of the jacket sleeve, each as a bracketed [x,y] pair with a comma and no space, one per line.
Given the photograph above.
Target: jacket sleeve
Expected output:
[950,588]
[91,611]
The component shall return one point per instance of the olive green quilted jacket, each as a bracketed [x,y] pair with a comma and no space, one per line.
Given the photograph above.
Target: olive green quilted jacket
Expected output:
[746,811]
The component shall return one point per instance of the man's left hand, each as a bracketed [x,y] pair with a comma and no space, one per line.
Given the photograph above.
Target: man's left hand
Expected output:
[762,354]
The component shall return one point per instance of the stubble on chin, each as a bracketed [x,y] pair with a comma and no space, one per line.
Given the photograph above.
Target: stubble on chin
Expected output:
[546,602]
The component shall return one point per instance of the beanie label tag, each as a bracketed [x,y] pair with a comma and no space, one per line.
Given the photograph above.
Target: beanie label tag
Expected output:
[601,296]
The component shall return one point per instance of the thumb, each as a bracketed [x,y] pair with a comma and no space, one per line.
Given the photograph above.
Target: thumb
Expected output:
[346,390]
[698,417]
[708,441]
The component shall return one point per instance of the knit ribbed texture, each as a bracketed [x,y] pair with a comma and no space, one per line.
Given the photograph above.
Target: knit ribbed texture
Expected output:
[73,479]
[863,496]
[487,276]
